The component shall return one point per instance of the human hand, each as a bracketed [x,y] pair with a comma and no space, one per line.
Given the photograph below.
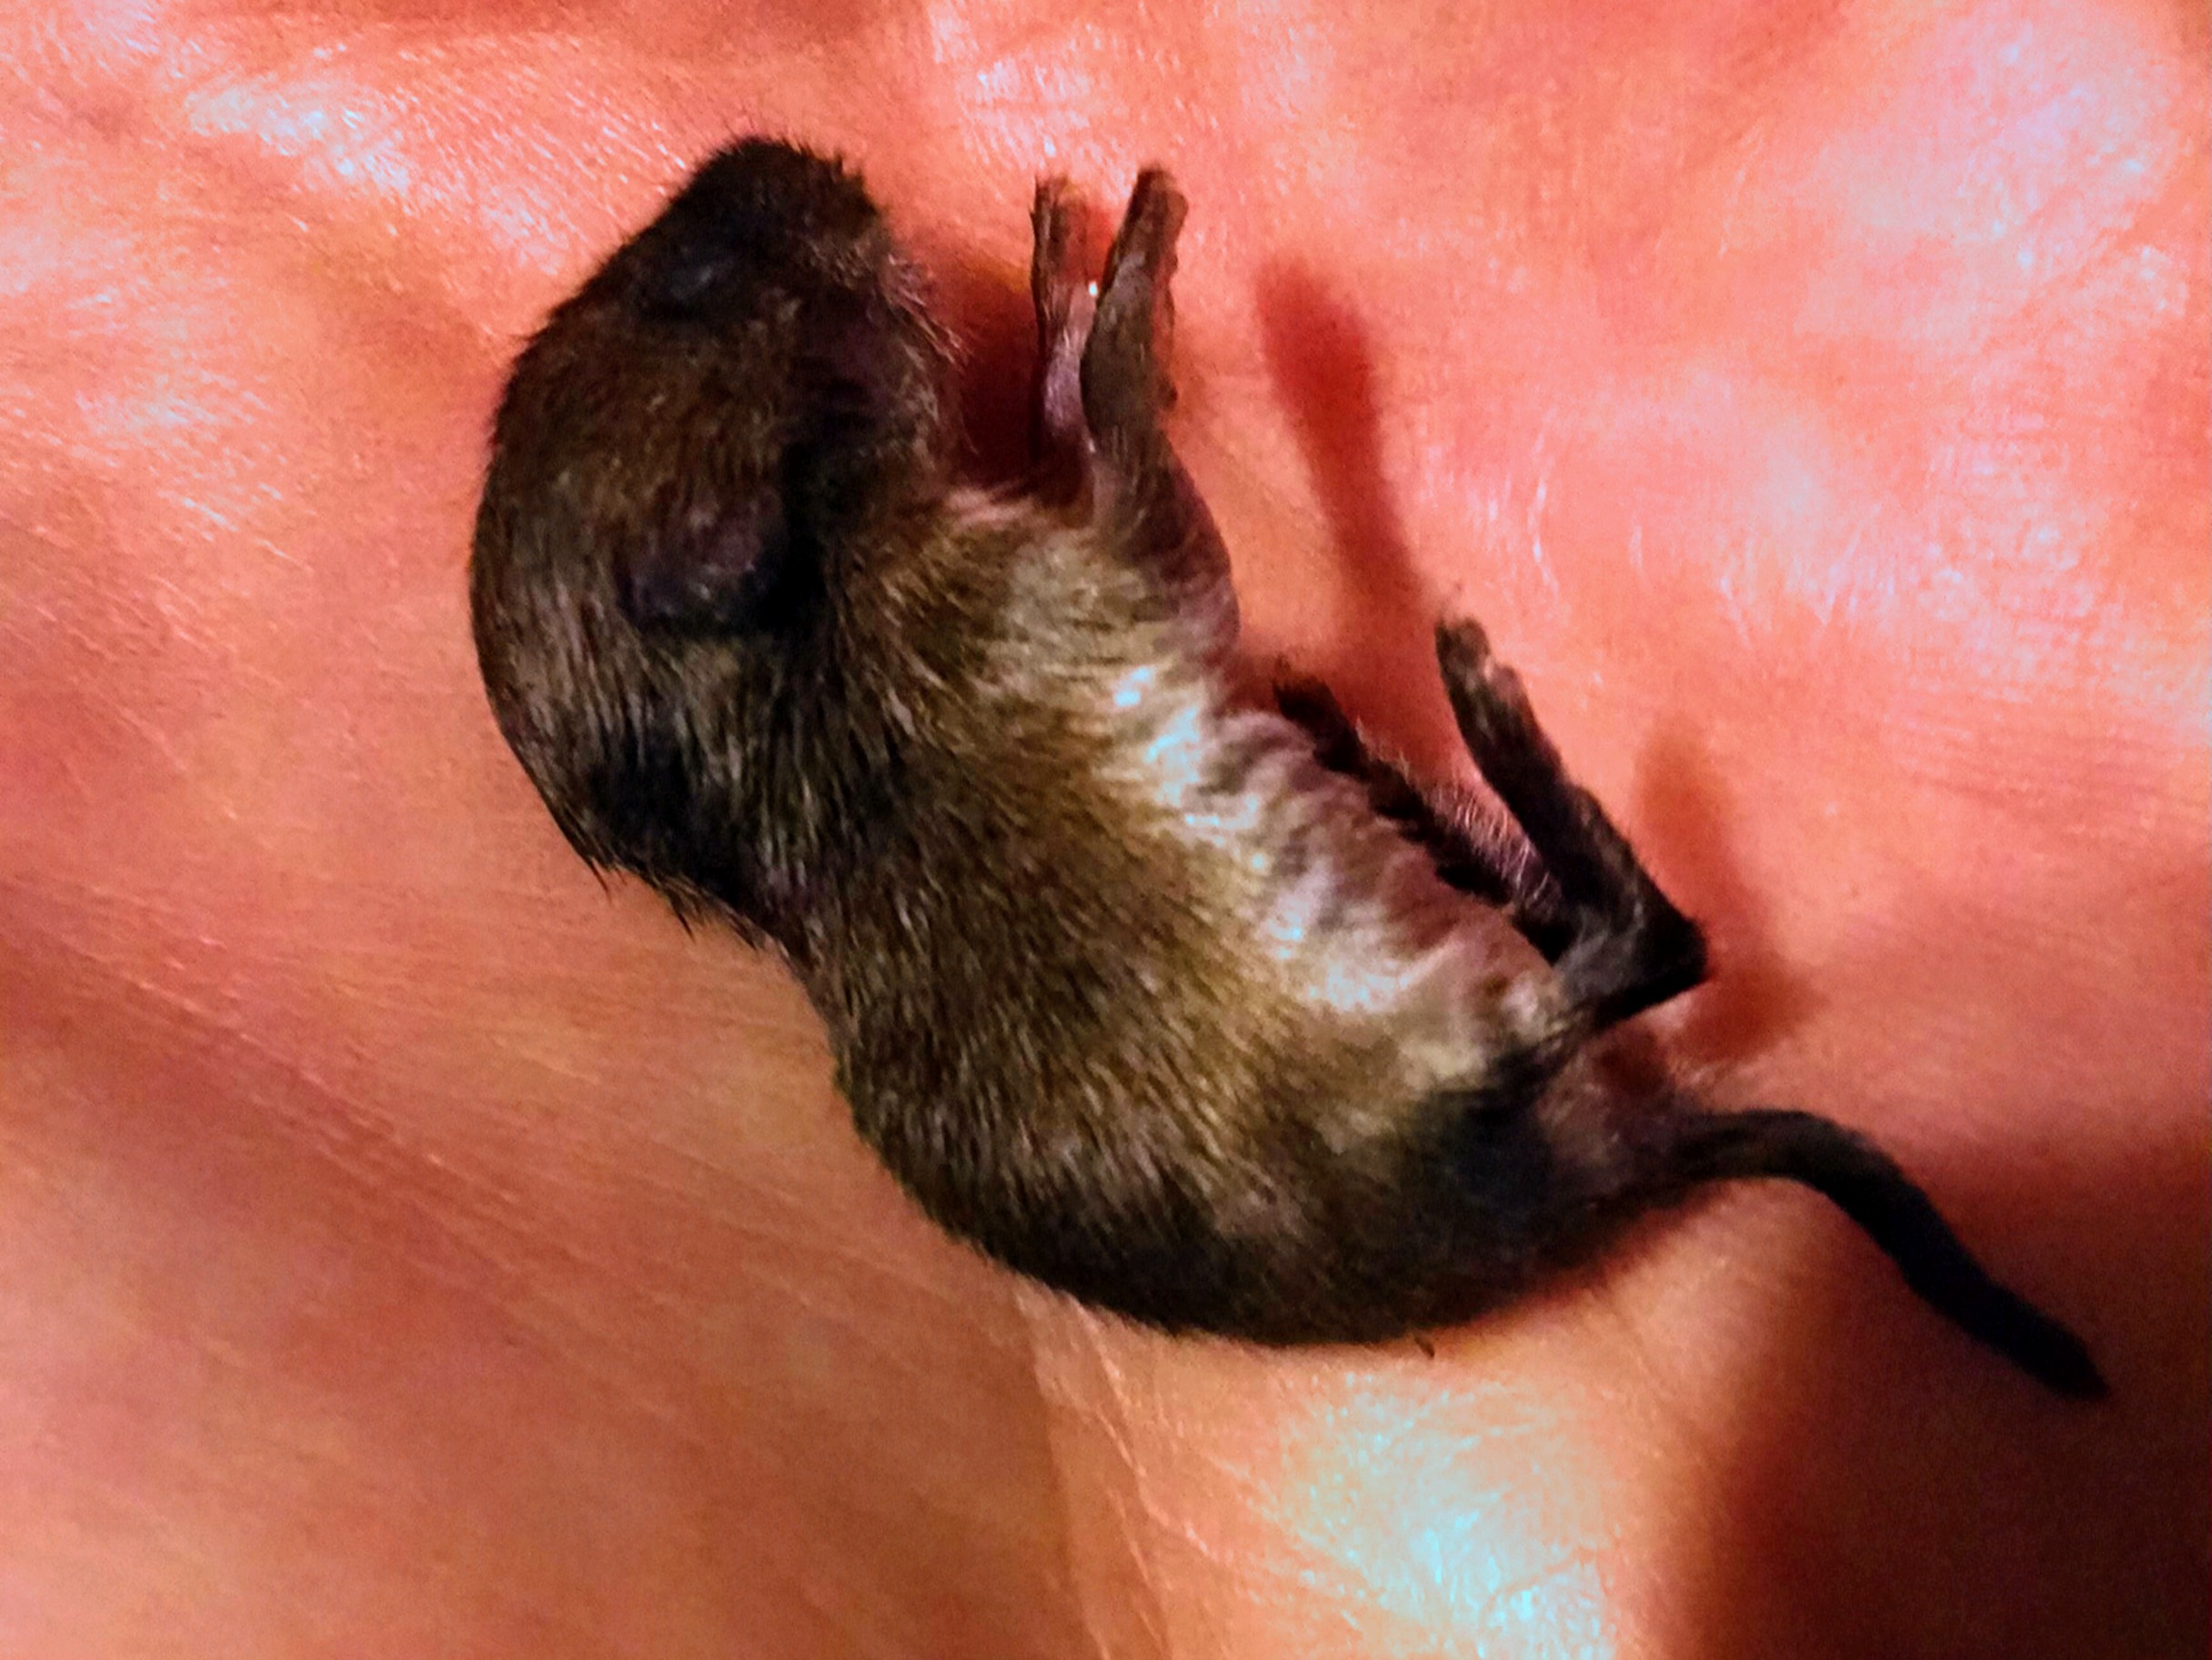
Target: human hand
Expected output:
[408,1244]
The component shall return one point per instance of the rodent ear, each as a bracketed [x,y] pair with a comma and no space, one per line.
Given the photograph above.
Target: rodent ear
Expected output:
[848,430]
[709,569]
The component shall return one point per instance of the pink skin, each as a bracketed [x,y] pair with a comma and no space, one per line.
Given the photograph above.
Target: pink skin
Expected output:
[410,1249]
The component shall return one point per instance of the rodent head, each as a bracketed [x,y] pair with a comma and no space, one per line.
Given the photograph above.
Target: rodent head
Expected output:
[689,457]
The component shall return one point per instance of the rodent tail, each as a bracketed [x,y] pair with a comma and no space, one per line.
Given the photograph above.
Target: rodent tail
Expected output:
[1867,1185]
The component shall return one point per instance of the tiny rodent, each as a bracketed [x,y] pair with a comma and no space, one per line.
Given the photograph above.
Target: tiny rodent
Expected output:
[1204,1012]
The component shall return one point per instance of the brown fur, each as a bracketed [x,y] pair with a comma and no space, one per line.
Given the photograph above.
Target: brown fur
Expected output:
[1202,1013]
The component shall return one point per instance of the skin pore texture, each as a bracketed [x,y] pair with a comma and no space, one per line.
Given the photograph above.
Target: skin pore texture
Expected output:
[407,1243]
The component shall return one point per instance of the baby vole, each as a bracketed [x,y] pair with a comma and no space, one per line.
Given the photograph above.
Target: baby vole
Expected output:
[1201,1012]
